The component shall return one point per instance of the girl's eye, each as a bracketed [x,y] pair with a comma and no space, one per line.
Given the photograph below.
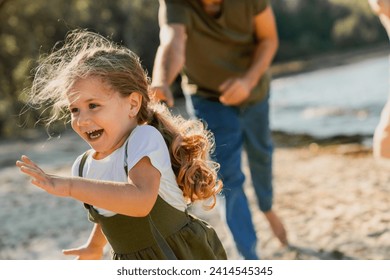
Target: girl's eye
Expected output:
[73,110]
[92,106]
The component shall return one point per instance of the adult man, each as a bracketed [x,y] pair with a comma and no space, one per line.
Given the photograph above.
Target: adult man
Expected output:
[224,48]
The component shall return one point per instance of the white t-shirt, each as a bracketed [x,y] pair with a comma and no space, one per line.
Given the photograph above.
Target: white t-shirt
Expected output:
[144,140]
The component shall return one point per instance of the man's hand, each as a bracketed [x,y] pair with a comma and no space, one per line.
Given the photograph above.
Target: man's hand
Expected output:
[163,93]
[234,91]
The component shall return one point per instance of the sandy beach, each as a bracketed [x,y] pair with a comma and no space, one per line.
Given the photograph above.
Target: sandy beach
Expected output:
[332,195]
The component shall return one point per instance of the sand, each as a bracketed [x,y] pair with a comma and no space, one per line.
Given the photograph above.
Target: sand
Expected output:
[332,195]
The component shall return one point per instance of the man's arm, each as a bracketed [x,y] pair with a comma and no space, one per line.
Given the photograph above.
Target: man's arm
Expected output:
[169,61]
[268,42]
[236,90]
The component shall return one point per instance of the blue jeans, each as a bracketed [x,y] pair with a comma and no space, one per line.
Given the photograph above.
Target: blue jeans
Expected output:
[236,128]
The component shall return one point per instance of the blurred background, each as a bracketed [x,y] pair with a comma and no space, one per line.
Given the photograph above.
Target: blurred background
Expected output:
[331,79]
[346,98]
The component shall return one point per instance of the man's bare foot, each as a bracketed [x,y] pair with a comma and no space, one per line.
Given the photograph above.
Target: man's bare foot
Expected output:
[277,227]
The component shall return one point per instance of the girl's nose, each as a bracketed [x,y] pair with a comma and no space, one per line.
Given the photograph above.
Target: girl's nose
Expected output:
[83,118]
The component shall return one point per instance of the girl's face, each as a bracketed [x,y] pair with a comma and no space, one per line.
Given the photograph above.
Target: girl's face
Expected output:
[100,115]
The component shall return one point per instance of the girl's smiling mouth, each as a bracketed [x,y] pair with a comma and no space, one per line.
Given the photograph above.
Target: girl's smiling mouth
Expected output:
[94,134]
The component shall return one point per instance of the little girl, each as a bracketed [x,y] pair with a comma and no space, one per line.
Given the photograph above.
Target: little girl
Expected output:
[145,165]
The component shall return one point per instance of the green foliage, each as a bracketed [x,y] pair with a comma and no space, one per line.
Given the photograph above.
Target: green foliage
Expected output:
[359,27]
[30,28]
[310,27]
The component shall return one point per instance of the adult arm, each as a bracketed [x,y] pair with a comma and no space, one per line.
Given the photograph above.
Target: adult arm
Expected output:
[169,60]
[236,90]
[134,198]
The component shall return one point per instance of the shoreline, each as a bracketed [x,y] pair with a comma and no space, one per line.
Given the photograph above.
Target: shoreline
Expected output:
[327,60]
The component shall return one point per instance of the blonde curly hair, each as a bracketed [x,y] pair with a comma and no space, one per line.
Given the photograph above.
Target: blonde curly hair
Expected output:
[87,54]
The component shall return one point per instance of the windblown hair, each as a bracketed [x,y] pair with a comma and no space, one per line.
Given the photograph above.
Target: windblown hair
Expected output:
[86,54]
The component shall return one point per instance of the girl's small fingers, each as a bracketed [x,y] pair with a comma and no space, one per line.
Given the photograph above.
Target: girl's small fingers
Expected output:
[28,161]
[25,158]
[32,172]
[72,252]
[24,166]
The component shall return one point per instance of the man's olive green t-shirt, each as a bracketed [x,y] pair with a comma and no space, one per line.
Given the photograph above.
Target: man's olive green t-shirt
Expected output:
[217,48]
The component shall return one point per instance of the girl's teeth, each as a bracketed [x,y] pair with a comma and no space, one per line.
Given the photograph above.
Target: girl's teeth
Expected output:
[94,134]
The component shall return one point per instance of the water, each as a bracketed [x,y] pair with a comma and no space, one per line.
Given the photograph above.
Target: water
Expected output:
[343,100]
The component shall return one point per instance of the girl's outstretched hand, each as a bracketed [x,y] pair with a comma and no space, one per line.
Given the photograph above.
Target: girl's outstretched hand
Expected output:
[55,185]
[85,253]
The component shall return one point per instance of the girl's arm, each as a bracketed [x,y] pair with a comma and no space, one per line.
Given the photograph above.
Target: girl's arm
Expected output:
[134,198]
[93,249]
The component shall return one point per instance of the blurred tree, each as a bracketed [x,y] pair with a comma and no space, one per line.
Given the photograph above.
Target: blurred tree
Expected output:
[141,31]
[359,27]
[30,28]
[305,26]
[310,27]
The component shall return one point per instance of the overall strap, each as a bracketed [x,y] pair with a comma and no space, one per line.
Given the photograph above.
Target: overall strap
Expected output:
[82,162]
[160,240]
[81,167]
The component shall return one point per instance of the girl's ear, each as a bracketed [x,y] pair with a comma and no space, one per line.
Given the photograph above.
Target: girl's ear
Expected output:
[135,101]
